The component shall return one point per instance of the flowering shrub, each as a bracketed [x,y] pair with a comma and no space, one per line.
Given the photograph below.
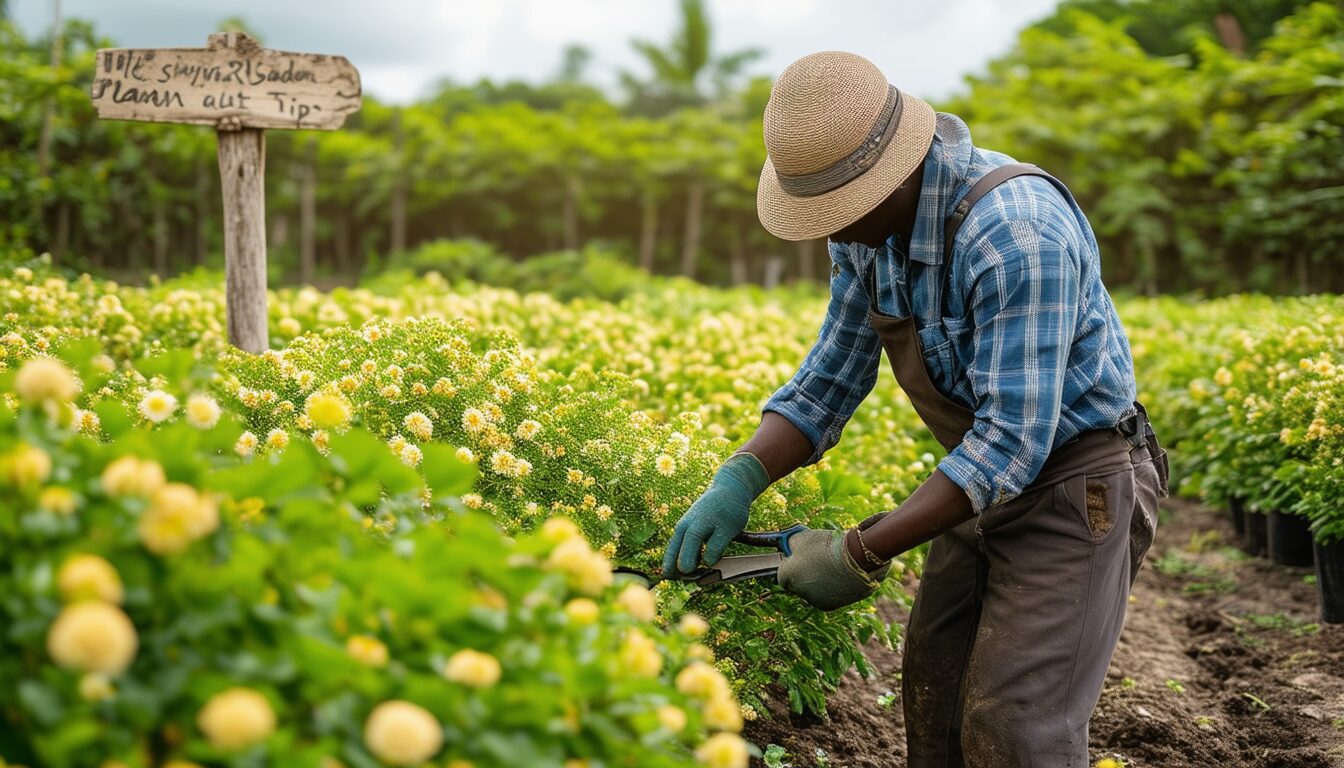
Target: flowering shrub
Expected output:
[1248,391]
[621,437]
[614,416]
[168,602]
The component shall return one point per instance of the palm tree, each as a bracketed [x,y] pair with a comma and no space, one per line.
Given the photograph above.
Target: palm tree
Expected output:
[680,67]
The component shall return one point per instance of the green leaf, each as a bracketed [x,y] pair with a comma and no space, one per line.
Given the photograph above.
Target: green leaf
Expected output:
[446,474]
[42,702]
[114,418]
[272,478]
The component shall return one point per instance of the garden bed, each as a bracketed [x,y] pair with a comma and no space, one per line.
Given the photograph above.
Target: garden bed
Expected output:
[1222,662]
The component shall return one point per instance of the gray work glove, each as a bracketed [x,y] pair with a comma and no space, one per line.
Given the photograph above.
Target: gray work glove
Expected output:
[821,571]
[717,516]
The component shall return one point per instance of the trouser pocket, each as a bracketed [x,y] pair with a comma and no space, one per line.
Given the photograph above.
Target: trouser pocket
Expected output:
[1149,486]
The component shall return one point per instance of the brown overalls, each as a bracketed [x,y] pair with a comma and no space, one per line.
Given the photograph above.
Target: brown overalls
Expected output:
[1019,609]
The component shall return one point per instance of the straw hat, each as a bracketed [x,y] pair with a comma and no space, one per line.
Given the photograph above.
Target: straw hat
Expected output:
[840,139]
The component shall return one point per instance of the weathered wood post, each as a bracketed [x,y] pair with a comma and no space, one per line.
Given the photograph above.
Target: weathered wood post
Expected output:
[240,89]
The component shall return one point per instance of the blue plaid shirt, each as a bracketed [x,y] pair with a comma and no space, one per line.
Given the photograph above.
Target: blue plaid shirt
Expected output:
[1027,338]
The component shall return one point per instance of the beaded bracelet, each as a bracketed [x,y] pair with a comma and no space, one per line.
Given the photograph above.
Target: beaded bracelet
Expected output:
[868,553]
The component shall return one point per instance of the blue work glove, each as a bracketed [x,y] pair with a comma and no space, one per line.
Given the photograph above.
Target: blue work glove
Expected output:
[821,571]
[717,516]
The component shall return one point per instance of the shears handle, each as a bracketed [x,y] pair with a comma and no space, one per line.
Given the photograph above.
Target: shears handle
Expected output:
[771,539]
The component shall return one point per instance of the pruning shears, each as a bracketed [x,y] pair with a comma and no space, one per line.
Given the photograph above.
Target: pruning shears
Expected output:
[734,567]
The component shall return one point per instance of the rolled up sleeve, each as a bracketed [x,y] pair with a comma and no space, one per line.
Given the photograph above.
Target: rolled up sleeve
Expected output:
[1024,303]
[840,370]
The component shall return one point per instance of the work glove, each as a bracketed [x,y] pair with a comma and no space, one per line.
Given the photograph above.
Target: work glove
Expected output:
[821,571]
[717,516]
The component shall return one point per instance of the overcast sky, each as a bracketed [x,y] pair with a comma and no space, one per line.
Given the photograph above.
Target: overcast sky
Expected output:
[402,46]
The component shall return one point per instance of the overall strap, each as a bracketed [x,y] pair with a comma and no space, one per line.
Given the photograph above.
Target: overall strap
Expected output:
[981,188]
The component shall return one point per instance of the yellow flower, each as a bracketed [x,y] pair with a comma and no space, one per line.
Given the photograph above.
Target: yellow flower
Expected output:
[501,462]
[402,733]
[639,655]
[700,652]
[527,429]
[1222,377]
[26,465]
[327,410]
[177,516]
[581,610]
[723,750]
[367,650]
[603,512]
[277,439]
[202,411]
[418,424]
[87,422]
[473,420]
[246,444]
[672,717]
[157,405]
[132,476]
[558,529]
[585,570]
[89,577]
[95,687]
[410,455]
[574,476]
[45,379]
[288,326]
[1109,762]
[93,637]
[692,625]
[723,714]
[464,454]
[236,718]
[472,668]
[57,500]
[703,681]
[666,465]
[638,602]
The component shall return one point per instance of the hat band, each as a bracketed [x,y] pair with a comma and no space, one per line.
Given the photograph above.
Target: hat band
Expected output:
[855,163]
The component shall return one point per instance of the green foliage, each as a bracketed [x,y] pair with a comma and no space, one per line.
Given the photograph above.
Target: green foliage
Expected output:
[284,582]
[1246,393]
[1204,170]
[1200,168]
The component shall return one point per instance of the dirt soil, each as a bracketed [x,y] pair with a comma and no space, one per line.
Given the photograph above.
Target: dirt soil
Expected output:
[1222,662]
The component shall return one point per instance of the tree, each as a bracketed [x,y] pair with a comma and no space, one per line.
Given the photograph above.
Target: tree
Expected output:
[680,68]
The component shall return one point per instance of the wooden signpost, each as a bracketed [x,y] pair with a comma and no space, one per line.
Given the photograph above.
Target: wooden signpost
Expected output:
[240,89]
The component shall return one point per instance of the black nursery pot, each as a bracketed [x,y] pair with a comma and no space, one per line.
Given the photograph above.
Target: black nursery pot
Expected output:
[1289,539]
[1256,542]
[1330,581]
[1236,509]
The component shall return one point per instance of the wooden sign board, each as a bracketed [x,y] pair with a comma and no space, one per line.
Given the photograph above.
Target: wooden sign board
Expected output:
[241,85]
[239,88]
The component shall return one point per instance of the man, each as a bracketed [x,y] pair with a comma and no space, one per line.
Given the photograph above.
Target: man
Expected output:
[997,326]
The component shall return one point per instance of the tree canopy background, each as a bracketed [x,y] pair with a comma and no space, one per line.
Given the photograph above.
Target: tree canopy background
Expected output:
[1202,137]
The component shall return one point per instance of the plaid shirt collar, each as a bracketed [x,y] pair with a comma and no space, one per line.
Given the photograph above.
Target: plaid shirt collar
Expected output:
[945,173]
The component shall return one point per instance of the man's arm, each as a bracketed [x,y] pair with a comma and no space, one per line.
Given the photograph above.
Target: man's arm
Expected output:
[837,374]
[800,422]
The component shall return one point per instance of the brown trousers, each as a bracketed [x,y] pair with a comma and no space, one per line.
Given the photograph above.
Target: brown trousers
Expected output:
[1019,611]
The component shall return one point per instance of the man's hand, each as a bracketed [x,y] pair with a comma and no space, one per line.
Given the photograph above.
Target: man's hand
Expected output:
[821,571]
[717,516]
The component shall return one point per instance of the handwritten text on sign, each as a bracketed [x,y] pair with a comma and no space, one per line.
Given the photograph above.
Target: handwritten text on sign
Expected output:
[244,87]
